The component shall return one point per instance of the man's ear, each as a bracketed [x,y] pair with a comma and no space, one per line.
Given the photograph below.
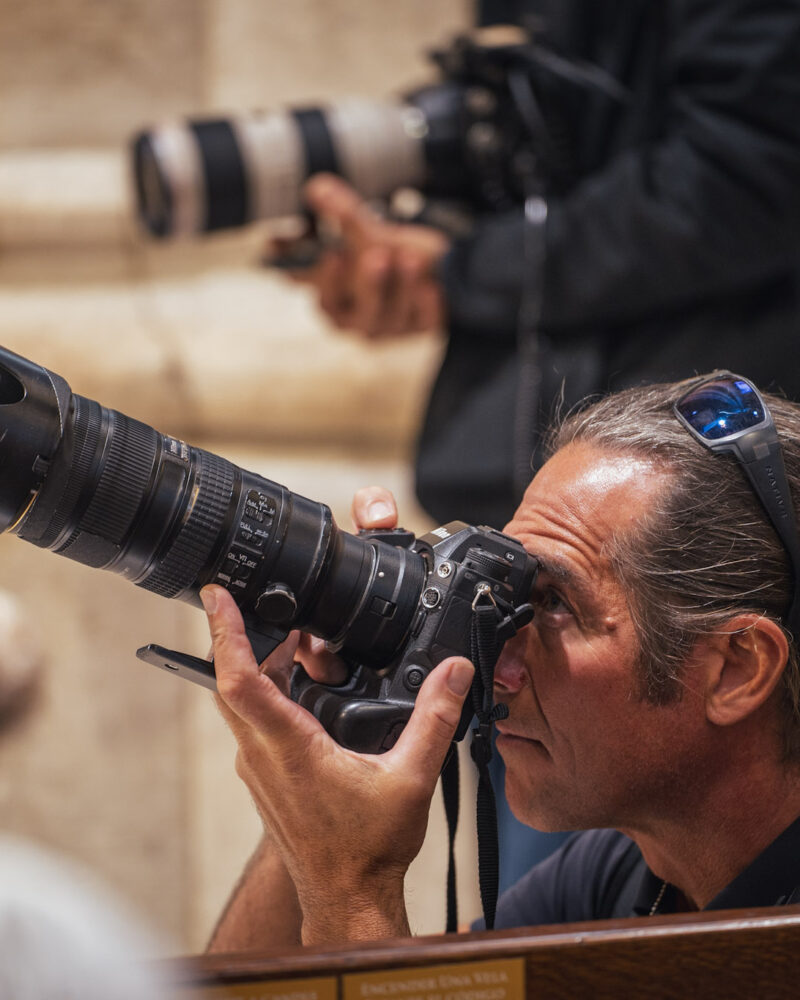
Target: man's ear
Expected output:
[747,657]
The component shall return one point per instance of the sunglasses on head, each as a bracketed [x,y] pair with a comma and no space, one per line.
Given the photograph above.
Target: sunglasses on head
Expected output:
[727,413]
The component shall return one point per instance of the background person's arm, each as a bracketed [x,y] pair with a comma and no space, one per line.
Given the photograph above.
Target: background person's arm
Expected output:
[708,207]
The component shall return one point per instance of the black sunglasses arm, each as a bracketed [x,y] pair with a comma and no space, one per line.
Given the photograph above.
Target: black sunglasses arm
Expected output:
[762,462]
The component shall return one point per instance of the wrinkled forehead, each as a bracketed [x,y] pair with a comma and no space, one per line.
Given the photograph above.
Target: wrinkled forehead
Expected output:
[587,496]
[602,476]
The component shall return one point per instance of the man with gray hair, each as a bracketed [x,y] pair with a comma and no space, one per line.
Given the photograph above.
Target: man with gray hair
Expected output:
[653,700]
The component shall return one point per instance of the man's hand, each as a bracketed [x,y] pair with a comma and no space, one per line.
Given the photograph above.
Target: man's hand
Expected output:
[373,507]
[346,825]
[381,279]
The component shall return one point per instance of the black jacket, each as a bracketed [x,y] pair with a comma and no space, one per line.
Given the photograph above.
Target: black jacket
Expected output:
[677,250]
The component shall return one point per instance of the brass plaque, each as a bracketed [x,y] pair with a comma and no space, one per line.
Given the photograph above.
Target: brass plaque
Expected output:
[323,988]
[499,979]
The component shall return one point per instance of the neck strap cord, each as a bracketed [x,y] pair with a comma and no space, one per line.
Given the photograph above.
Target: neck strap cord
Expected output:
[493,621]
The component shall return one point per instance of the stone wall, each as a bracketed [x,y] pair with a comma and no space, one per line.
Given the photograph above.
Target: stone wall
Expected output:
[119,765]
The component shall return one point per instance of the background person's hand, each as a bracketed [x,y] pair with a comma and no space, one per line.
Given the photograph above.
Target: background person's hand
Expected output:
[380,279]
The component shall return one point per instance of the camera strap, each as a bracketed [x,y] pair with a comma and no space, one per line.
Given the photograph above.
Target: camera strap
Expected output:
[485,651]
[450,787]
[485,648]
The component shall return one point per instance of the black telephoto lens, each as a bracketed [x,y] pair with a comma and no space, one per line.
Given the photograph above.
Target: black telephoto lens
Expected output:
[111,492]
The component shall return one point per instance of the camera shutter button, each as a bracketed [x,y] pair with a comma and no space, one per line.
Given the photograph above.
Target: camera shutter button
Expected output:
[277,604]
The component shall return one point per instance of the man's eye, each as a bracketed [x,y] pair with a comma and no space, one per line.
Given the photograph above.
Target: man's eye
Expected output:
[550,601]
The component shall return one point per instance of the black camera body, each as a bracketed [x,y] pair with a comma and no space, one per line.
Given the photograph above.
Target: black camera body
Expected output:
[464,566]
[111,492]
[499,124]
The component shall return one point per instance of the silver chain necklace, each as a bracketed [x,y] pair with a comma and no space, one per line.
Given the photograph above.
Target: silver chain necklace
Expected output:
[659,897]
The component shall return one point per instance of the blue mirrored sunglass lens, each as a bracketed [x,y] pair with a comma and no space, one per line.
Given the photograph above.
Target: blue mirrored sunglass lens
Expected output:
[720,408]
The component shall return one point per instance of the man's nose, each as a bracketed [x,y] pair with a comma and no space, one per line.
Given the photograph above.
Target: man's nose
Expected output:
[510,672]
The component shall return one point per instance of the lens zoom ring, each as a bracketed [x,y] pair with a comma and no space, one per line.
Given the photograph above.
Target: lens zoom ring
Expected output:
[86,431]
[126,473]
[193,544]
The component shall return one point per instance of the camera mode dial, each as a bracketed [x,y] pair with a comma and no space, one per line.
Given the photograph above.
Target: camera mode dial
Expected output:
[488,563]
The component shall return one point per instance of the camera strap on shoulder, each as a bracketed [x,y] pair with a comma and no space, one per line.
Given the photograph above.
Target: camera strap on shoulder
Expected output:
[485,645]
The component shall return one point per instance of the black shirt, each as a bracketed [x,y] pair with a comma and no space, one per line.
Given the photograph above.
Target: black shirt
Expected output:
[601,874]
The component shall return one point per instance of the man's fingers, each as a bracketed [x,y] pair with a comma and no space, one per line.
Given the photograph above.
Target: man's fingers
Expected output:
[429,732]
[228,637]
[430,307]
[374,507]
[319,663]
[332,287]
[238,674]
[279,664]
[335,200]
[252,695]
[400,298]
[371,280]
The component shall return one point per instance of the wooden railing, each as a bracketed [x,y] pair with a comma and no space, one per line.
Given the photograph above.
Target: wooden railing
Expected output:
[735,954]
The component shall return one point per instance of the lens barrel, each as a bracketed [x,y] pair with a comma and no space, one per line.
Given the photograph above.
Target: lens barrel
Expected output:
[111,492]
[200,175]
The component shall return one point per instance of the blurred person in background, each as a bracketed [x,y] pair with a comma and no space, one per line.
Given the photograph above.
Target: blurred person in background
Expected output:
[674,248]
[62,933]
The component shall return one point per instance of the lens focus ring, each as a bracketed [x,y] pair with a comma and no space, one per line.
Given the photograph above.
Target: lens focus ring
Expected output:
[197,536]
[120,489]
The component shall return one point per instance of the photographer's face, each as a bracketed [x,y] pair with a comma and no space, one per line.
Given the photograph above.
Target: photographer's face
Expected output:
[580,746]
